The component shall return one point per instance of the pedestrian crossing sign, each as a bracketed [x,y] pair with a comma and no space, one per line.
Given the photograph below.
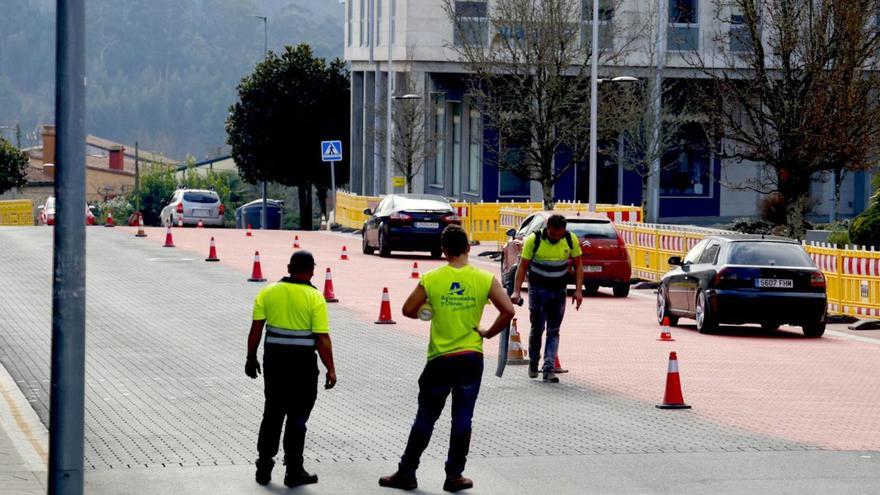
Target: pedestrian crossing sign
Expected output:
[331,151]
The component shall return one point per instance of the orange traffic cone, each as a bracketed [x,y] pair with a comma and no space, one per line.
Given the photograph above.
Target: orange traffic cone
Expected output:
[296,242]
[673,399]
[344,255]
[212,252]
[249,233]
[109,220]
[169,242]
[415,270]
[140,232]
[180,222]
[666,334]
[558,366]
[257,273]
[515,352]
[329,296]
[385,309]
[200,225]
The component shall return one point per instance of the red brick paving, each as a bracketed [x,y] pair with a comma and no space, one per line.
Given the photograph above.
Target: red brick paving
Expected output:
[820,391]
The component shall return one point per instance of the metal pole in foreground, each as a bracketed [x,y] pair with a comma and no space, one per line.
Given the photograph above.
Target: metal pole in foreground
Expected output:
[69,266]
[265,207]
[594,105]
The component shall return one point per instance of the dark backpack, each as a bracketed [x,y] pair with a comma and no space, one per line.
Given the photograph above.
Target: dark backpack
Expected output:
[541,233]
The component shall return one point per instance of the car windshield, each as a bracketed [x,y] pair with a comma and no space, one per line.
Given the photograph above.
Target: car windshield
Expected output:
[403,203]
[768,254]
[50,203]
[200,197]
[592,230]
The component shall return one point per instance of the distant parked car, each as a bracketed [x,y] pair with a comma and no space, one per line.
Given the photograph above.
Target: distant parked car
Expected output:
[738,279]
[605,258]
[193,205]
[407,222]
[46,213]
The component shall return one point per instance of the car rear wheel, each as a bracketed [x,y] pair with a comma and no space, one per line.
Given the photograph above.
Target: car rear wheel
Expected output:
[384,247]
[706,322]
[663,308]
[365,246]
[436,253]
[591,288]
[814,330]
[621,289]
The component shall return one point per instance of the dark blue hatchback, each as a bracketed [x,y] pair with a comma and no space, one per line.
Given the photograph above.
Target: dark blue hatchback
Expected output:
[407,222]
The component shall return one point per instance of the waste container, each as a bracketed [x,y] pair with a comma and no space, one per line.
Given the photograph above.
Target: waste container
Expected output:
[249,214]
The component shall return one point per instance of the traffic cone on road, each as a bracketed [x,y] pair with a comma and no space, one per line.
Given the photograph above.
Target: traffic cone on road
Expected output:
[385,309]
[200,225]
[558,366]
[109,222]
[344,255]
[140,232]
[415,270]
[296,242]
[249,233]
[672,398]
[515,352]
[212,252]
[666,334]
[257,273]
[329,296]
[169,242]
[180,222]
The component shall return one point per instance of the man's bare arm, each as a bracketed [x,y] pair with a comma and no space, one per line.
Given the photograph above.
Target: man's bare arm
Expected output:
[502,303]
[325,351]
[416,299]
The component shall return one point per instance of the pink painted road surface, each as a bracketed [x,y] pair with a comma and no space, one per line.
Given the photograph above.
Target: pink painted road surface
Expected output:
[825,392]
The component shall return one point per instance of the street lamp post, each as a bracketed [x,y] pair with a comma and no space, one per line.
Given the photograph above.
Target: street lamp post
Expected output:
[594,110]
[265,56]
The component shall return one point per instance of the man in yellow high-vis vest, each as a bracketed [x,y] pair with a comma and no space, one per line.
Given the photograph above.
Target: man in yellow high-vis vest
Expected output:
[295,316]
[458,293]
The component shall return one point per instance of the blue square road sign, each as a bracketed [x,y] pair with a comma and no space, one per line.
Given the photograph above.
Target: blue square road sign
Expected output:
[331,151]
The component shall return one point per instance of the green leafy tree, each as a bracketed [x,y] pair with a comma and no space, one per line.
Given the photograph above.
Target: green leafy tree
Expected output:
[285,108]
[13,166]
[865,228]
[156,186]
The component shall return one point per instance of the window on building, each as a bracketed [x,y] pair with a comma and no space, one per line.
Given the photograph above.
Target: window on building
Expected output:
[510,184]
[606,26]
[439,131]
[475,145]
[686,169]
[348,19]
[684,26]
[456,147]
[740,36]
[362,15]
[474,22]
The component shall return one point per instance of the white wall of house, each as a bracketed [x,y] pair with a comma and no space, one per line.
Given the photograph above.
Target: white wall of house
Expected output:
[735,201]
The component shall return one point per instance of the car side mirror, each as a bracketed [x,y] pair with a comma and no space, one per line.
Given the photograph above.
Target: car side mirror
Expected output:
[675,261]
[368,211]
[511,232]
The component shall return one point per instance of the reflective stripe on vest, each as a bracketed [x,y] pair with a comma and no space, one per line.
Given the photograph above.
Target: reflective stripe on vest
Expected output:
[549,269]
[284,336]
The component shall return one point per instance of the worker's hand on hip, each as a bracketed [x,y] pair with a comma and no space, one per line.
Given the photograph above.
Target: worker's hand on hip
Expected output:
[252,368]
[577,299]
[331,380]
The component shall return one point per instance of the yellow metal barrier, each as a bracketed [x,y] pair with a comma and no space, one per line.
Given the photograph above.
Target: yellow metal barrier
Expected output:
[350,209]
[17,212]
[853,279]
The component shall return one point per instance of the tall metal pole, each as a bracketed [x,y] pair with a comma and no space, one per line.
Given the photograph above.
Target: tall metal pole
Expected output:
[657,97]
[137,178]
[389,86]
[264,209]
[67,403]
[594,105]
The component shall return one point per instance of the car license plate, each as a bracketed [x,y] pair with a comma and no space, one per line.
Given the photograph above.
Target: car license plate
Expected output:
[774,283]
[593,268]
[427,225]
[201,213]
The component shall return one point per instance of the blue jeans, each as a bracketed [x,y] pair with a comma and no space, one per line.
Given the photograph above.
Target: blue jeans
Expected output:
[546,309]
[461,375]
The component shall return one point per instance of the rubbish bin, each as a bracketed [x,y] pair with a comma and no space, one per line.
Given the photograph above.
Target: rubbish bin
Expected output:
[249,214]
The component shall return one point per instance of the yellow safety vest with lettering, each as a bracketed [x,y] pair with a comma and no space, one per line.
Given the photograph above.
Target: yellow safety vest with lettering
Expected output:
[458,297]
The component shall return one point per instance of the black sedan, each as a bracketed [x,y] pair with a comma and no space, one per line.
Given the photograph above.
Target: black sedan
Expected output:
[408,222]
[737,279]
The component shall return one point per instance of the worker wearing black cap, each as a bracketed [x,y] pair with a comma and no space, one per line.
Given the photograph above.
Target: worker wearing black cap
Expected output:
[295,316]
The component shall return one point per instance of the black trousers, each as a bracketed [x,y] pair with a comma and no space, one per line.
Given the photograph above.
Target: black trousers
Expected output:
[291,386]
[460,375]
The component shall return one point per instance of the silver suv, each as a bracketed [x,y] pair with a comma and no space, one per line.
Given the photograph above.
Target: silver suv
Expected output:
[193,205]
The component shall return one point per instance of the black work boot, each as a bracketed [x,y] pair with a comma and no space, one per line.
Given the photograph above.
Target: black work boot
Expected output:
[264,471]
[533,369]
[296,476]
[399,480]
[550,377]
[457,483]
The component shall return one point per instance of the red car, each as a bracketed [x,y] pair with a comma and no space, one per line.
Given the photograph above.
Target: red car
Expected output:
[46,214]
[605,259]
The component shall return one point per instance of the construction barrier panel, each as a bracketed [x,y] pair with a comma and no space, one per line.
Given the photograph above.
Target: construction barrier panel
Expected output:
[17,212]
